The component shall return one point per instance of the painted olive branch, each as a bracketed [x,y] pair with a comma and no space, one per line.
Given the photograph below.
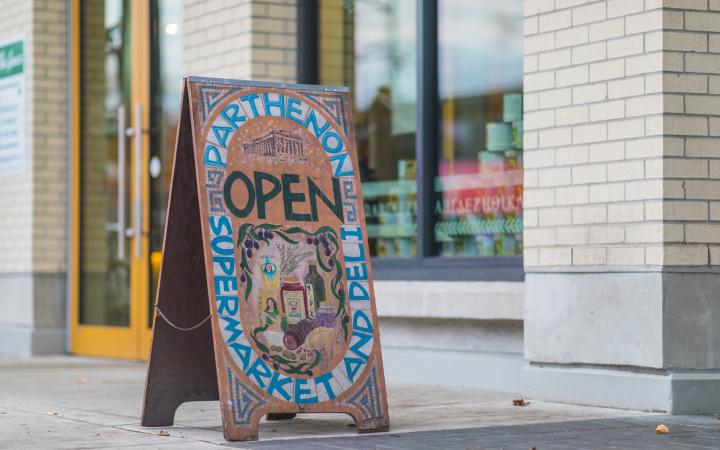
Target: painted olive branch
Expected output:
[324,238]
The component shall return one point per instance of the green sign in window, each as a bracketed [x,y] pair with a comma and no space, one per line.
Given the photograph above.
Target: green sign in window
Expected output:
[11,59]
[13,99]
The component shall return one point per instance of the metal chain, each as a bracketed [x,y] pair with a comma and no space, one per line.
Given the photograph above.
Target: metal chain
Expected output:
[198,325]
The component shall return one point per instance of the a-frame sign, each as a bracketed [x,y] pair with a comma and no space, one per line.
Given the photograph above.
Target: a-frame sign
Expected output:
[266,237]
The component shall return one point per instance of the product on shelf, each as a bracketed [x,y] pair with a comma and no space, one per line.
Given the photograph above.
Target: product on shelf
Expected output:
[517,130]
[513,114]
[499,136]
[491,162]
[513,160]
[503,155]
[512,107]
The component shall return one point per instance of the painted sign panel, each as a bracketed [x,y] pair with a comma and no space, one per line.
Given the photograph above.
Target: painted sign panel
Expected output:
[12,107]
[285,253]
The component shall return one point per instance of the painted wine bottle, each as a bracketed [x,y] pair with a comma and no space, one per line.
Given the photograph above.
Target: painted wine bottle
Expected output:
[314,288]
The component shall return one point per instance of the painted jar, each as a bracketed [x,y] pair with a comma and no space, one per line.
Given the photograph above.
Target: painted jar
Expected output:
[293,300]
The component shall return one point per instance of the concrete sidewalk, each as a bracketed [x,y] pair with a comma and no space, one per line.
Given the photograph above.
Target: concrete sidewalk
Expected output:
[69,402]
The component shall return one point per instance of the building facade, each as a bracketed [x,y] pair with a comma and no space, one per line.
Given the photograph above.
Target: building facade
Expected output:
[540,178]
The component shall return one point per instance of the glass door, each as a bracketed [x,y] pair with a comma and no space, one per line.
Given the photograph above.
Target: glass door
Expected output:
[122,158]
[102,322]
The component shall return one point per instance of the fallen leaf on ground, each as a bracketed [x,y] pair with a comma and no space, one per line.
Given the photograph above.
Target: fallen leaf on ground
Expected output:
[81,381]
[662,429]
[520,402]
[51,413]
[163,433]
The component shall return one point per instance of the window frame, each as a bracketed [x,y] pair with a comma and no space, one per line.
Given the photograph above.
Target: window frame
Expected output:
[426,265]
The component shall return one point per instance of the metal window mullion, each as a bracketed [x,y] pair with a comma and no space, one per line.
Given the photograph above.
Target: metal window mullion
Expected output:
[427,120]
[308,42]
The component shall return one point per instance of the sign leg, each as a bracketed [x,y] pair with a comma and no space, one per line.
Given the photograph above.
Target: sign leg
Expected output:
[175,377]
[372,425]
[181,367]
[370,404]
[241,433]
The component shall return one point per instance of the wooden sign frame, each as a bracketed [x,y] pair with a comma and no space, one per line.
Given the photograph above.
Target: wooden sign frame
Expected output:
[282,274]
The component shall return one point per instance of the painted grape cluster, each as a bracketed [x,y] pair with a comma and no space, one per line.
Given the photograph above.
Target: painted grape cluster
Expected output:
[251,241]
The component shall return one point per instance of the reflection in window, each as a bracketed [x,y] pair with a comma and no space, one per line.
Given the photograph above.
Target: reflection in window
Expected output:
[370,45]
[166,86]
[479,184]
[105,68]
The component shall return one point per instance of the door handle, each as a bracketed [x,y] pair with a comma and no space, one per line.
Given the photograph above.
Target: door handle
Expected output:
[121,157]
[138,225]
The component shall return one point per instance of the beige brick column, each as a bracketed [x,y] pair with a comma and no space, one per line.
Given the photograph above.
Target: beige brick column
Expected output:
[245,39]
[622,179]
[33,222]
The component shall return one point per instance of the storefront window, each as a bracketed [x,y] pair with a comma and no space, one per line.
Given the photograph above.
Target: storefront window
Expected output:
[473,207]
[479,185]
[370,45]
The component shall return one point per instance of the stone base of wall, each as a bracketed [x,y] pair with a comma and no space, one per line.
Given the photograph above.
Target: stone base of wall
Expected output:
[640,340]
[658,320]
[594,318]
[24,342]
[477,370]
[465,300]
[673,392]
[453,334]
[453,353]
[32,314]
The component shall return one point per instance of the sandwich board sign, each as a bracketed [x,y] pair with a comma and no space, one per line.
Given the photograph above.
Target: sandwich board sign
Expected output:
[265,298]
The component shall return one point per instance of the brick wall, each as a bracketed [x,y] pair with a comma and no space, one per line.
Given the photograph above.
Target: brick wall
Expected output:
[16,190]
[619,106]
[49,135]
[246,39]
[696,176]
[33,229]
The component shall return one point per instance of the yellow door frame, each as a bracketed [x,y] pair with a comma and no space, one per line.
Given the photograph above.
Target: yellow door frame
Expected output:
[141,96]
[131,342]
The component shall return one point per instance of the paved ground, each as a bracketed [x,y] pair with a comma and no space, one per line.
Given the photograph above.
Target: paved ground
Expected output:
[84,403]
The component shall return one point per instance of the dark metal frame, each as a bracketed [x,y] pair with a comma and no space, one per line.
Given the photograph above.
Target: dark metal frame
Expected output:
[426,265]
[427,124]
[307,42]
